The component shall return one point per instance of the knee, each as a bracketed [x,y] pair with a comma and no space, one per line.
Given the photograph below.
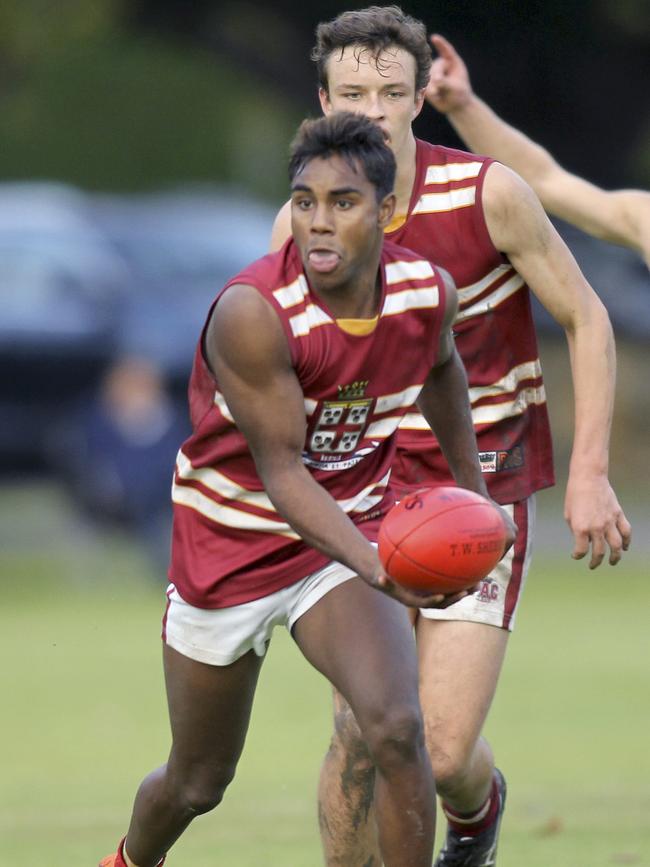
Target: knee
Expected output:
[397,738]
[450,761]
[348,744]
[202,791]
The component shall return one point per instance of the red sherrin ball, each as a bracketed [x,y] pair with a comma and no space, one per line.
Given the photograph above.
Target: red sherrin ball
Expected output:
[441,540]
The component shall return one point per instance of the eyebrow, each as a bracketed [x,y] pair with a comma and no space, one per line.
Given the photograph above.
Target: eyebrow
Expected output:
[356,86]
[340,191]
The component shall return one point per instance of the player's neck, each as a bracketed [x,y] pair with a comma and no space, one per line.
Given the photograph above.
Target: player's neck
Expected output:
[405,176]
[358,299]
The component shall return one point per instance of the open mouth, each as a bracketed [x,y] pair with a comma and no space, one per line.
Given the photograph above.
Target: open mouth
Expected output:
[323,261]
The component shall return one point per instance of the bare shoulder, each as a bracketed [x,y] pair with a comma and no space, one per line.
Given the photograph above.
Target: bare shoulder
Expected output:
[513,212]
[244,330]
[505,190]
[281,227]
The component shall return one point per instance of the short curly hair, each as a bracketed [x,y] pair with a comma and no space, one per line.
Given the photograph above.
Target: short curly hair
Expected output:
[374,28]
[353,137]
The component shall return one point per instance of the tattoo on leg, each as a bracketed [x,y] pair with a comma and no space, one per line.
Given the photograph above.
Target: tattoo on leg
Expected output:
[358,787]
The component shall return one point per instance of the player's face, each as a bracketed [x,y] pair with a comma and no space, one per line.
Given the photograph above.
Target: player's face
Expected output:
[383,90]
[337,222]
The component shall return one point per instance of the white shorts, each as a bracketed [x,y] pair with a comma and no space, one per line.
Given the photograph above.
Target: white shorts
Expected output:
[219,636]
[496,600]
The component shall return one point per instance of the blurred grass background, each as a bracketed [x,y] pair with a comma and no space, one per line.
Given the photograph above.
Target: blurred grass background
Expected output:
[84,715]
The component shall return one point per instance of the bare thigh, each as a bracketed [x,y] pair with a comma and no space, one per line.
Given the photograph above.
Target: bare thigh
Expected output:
[362,641]
[460,663]
[209,709]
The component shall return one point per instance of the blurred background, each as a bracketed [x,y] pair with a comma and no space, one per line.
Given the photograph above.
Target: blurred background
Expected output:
[143,154]
[143,157]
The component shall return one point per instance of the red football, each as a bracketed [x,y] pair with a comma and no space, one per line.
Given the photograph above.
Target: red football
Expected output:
[441,540]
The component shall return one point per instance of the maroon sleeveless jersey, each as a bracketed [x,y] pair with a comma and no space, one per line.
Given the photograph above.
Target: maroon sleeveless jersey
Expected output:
[494,330]
[229,543]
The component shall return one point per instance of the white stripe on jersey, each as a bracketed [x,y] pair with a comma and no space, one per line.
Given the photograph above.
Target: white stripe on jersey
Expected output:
[410,299]
[414,421]
[500,411]
[399,272]
[294,293]
[366,499]
[230,490]
[509,382]
[468,293]
[434,203]
[487,414]
[514,284]
[227,515]
[384,427]
[222,406]
[389,402]
[452,172]
[312,317]
[220,484]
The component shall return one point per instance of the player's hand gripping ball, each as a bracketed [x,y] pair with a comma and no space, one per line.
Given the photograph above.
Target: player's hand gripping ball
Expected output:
[441,540]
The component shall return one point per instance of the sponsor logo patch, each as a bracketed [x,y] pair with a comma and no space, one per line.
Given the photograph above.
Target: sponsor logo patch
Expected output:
[504,459]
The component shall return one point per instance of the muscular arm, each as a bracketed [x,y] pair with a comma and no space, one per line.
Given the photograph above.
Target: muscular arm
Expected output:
[519,227]
[262,391]
[620,217]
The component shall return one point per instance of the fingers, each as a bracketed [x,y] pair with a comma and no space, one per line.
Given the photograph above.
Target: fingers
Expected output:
[439,601]
[444,48]
[598,548]
[625,529]
[581,545]
[616,537]
[417,599]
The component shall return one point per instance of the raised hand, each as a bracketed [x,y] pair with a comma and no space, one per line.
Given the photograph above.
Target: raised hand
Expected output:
[449,85]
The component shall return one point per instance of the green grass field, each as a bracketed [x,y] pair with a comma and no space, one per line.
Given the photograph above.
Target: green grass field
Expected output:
[84,718]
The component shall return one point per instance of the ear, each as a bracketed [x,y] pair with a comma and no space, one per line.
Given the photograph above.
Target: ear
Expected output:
[324,99]
[387,209]
[419,102]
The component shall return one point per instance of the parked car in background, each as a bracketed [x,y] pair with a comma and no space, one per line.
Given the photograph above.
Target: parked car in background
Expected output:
[61,284]
[87,279]
[181,248]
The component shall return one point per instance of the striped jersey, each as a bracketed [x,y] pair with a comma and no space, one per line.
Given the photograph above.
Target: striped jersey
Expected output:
[229,544]
[494,330]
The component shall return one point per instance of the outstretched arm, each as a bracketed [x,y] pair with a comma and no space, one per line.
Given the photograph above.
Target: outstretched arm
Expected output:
[621,217]
[255,374]
[519,228]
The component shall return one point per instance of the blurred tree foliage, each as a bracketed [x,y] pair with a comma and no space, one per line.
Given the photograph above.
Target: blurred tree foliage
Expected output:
[133,94]
[87,100]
